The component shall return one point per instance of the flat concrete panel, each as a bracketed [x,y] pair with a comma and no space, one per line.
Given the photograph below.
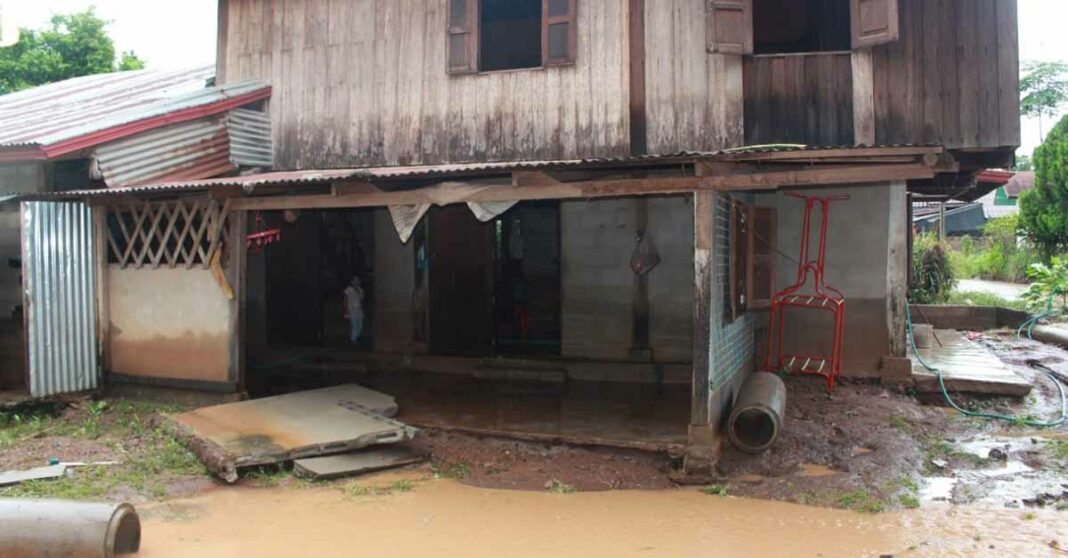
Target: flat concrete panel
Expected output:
[967,367]
[287,427]
[168,323]
[356,463]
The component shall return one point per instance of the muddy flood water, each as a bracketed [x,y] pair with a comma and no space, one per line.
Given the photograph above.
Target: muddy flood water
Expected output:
[445,518]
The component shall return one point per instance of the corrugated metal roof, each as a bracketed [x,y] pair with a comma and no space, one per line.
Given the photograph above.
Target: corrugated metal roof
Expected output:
[409,173]
[59,113]
[186,151]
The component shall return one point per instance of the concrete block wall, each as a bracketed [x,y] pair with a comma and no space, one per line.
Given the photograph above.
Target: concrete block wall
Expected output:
[865,253]
[394,287]
[731,342]
[597,240]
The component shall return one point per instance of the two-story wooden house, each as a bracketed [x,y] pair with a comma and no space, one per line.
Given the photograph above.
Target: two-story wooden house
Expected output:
[585,194]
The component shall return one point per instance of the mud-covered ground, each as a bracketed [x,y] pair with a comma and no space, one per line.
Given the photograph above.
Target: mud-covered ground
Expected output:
[872,448]
[866,447]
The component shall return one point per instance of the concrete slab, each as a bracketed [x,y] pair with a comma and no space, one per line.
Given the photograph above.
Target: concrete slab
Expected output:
[967,367]
[287,427]
[8,478]
[355,463]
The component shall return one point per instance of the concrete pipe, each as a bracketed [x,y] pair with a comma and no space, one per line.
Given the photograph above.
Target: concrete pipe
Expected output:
[54,529]
[756,420]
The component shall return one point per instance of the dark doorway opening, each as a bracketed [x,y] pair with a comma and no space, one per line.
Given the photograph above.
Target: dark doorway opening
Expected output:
[307,273]
[528,280]
[789,26]
[510,34]
[461,283]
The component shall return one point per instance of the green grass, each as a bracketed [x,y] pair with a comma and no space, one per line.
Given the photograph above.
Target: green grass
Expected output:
[455,471]
[909,501]
[970,298]
[715,490]
[901,423]
[356,490]
[267,477]
[1059,449]
[860,500]
[561,487]
[150,459]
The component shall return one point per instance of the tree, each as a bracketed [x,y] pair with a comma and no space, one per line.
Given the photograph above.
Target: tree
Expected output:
[1044,209]
[1023,164]
[72,45]
[1043,89]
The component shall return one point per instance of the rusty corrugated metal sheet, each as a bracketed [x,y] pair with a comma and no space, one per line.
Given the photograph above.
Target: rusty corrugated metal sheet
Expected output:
[58,255]
[45,113]
[250,138]
[87,111]
[187,151]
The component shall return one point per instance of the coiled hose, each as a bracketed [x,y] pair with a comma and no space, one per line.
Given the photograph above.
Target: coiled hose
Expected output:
[992,416]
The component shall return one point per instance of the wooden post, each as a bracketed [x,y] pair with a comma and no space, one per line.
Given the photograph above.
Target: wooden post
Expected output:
[238,271]
[703,205]
[103,319]
[863,98]
[897,269]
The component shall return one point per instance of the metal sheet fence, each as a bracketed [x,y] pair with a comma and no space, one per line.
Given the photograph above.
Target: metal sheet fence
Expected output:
[59,279]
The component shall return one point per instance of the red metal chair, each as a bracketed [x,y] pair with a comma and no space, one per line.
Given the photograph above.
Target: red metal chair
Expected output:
[822,297]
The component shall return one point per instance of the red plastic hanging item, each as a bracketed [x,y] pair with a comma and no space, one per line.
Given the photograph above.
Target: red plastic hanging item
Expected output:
[823,297]
[263,236]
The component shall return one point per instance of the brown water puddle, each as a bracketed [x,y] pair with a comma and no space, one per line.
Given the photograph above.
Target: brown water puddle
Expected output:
[444,518]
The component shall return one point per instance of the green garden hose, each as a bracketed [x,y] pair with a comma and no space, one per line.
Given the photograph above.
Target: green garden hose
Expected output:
[992,416]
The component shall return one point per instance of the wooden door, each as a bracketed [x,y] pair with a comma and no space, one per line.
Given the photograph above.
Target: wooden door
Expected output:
[461,283]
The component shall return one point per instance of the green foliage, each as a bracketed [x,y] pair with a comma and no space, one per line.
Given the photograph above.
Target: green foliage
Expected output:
[1023,164]
[1049,285]
[1044,208]
[1043,88]
[969,298]
[715,490]
[560,487]
[1000,255]
[72,45]
[931,270]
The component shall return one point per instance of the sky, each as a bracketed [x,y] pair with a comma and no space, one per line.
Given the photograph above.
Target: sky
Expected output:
[174,35]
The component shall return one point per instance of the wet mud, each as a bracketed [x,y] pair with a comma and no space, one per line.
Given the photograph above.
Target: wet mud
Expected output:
[445,518]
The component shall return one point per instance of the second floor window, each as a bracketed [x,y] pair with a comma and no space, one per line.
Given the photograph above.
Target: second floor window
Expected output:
[493,35]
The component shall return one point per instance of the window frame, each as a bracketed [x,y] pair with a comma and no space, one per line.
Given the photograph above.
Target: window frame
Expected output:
[470,30]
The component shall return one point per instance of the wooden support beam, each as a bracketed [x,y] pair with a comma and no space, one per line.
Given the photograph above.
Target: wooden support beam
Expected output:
[819,155]
[703,206]
[462,192]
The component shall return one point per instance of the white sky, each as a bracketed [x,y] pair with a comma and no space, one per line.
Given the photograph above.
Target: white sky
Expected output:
[173,35]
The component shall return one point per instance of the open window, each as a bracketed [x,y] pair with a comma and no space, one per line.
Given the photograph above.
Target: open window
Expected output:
[752,258]
[495,35]
[790,26]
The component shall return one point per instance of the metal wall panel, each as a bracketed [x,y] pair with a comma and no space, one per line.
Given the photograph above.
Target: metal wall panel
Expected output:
[250,138]
[59,280]
[187,151]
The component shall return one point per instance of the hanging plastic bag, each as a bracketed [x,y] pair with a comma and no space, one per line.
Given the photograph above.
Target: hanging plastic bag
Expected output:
[645,256]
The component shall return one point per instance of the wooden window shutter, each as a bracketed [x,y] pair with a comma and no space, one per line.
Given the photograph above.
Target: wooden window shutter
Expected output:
[760,282]
[559,35]
[463,37]
[730,26]
[874,22]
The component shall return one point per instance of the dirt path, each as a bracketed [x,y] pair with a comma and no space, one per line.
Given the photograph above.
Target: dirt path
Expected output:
[444,518]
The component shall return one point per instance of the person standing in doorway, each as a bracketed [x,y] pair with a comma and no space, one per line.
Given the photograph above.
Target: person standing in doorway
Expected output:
[354,309]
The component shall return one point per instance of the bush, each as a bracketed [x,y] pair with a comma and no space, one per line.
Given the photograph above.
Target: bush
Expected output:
[1003,257]
[1044,208]
[933,276]
[1049,285]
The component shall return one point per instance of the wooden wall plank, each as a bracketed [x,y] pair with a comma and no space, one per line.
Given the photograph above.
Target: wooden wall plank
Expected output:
[968,62]
[799,99]
[989,113]
[362,82]
[1008,49]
